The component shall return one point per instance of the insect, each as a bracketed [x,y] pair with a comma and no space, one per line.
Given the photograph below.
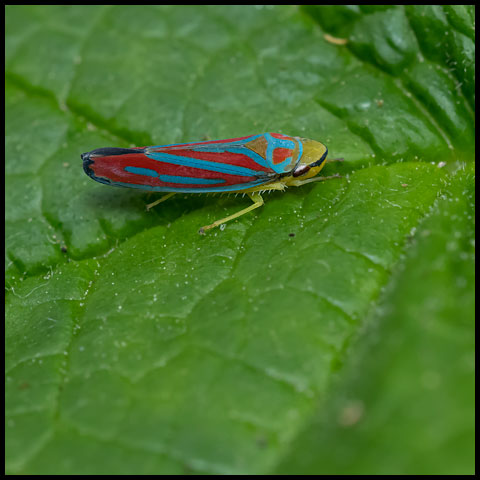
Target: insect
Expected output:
[251,165]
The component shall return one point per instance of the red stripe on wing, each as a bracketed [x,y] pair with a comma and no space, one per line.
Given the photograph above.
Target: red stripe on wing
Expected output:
[228,158]
[113,168]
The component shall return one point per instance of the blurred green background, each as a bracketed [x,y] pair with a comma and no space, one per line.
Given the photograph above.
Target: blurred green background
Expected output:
[330,331]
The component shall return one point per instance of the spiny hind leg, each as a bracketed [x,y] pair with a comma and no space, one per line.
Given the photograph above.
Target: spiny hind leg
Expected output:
[160,200]
[266,187]
[258,202]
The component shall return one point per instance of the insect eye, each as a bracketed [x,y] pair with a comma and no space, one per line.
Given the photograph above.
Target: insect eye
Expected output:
[301,170]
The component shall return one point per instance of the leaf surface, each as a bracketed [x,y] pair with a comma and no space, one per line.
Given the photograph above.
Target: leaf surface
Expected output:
[330,331]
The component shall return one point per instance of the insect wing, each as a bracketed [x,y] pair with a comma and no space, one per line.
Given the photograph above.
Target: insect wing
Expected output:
[213,166]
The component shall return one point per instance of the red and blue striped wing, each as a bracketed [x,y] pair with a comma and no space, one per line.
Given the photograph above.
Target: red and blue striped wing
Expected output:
[212,166]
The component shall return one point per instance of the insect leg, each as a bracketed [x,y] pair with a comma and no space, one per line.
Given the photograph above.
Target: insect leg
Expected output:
[298,183]
[258,202]
[160,200]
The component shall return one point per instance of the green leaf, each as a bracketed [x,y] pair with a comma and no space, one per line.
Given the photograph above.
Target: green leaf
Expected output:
[330,331]
[409,394]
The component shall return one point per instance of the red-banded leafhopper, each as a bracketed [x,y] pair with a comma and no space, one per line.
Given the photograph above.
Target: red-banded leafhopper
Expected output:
[251,165]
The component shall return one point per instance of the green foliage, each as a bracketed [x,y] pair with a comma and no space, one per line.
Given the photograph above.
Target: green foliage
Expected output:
[331,331]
